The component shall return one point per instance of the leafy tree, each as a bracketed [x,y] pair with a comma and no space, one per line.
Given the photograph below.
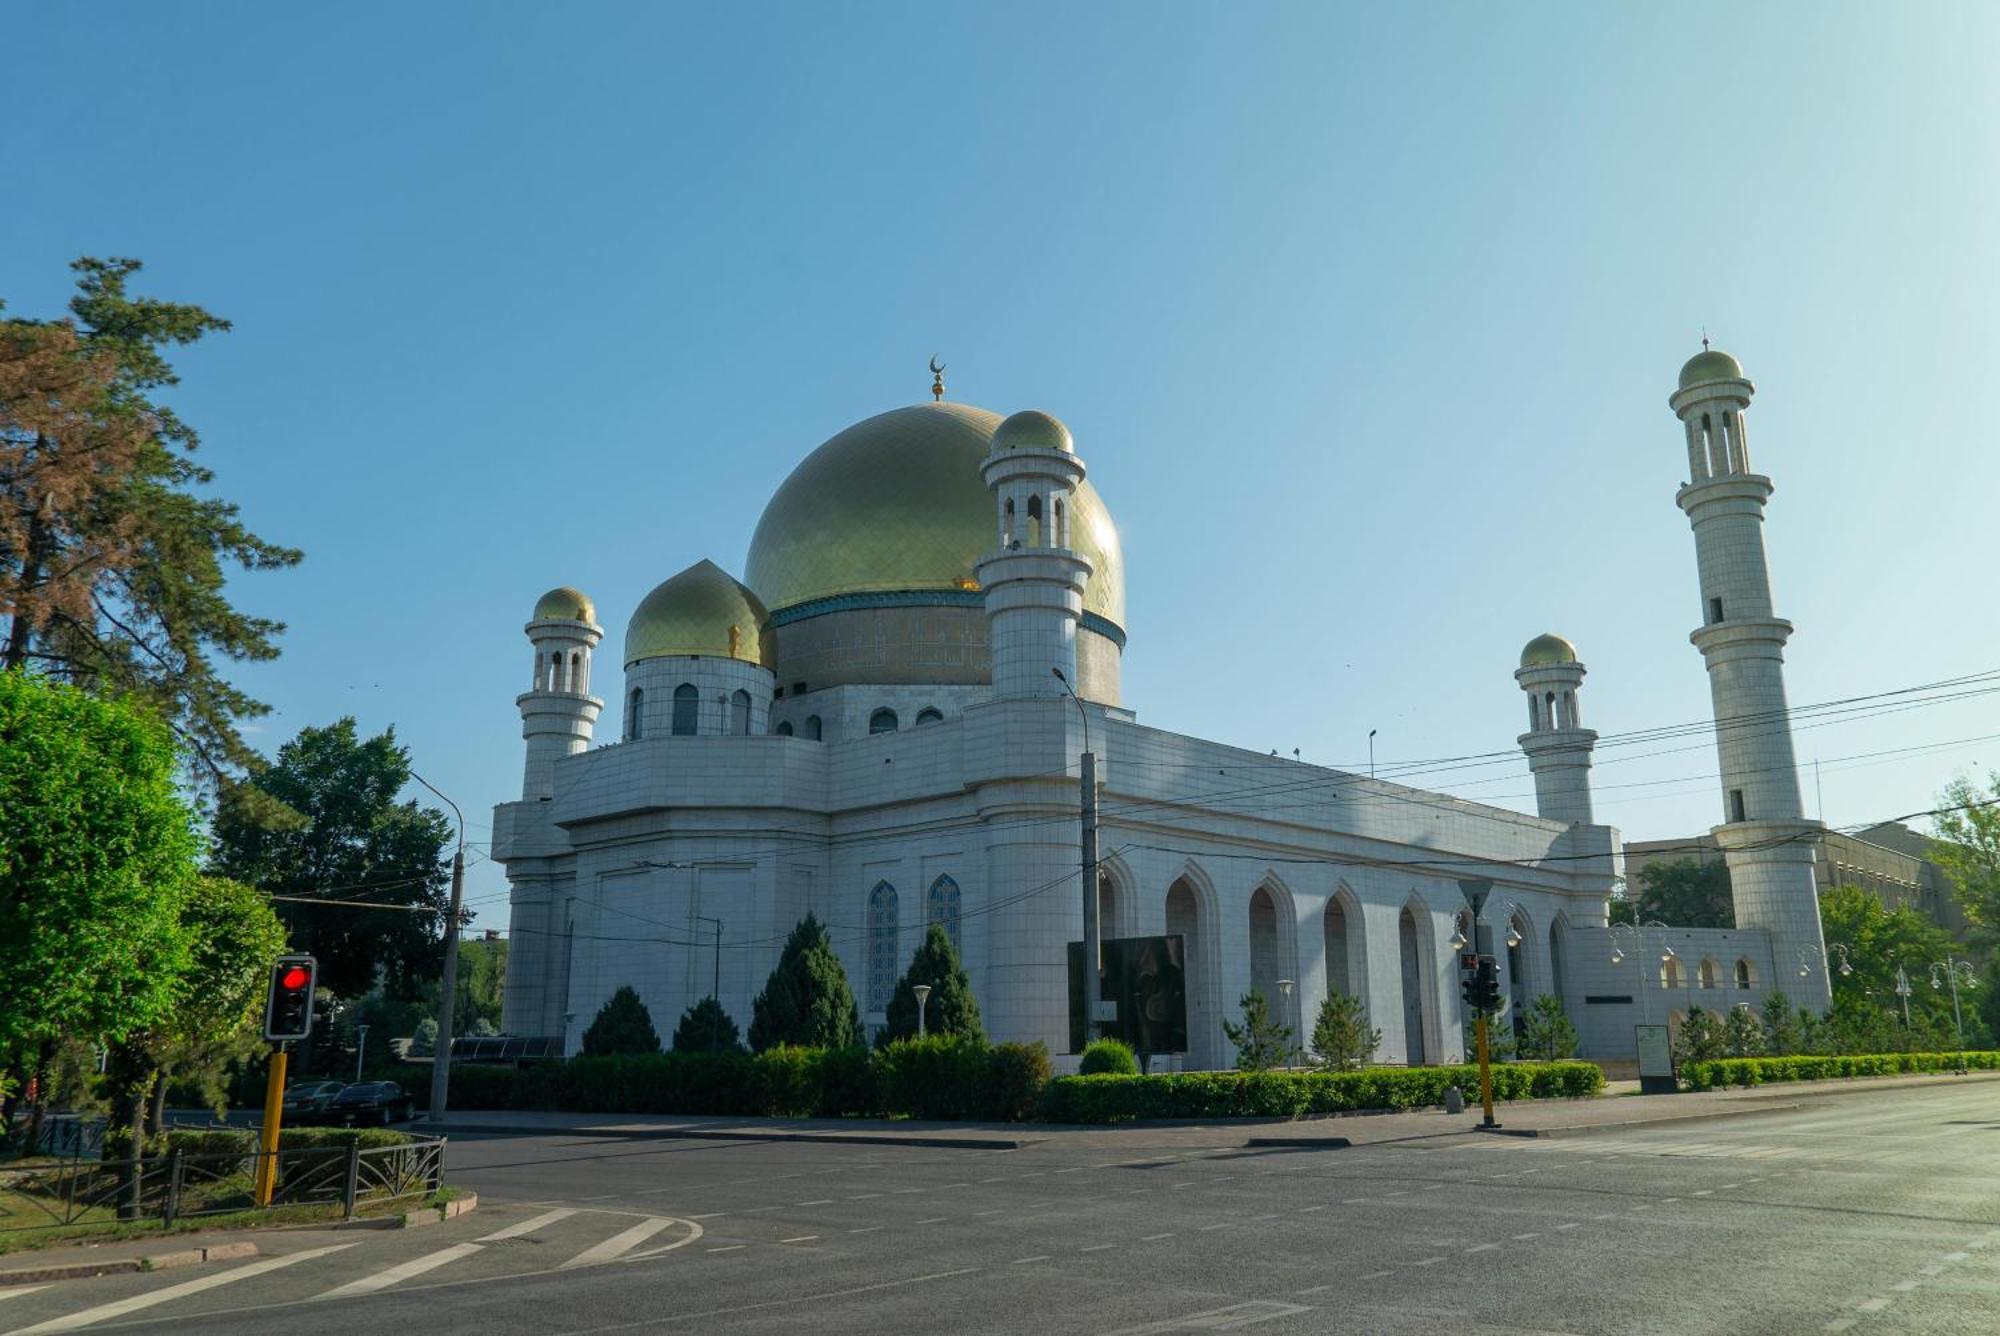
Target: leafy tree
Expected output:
[623,1025]
[97,854]
[1742,1034]
[951,1010]
[1261,1042]
[356,843]
[1878,940]
[1108,1057]
[1687,894]
[424,1042]
[1700,1038]
[112,554]
[706,1028]
[1342,1039]
[482,981]
[1781,1023]
[1546,1032]
[1968,848]
[807,1001]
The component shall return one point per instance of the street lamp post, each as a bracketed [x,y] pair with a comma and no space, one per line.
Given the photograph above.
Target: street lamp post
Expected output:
[1952,967]
[448,988]
[1093,929]
[1903,992]
[923,992]
[360,1048]
[1285,987]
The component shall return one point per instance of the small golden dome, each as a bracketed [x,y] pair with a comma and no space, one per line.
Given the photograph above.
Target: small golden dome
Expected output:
[703,610]
[566,605]
[1546,651]
[1032,429]
[1710,364]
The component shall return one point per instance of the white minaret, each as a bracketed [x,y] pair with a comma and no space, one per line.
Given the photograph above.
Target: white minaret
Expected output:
[1034,581]
[1557,743]
[1765,838]
[558,711]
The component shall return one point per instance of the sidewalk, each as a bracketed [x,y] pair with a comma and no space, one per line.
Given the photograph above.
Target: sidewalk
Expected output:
[1521,1118]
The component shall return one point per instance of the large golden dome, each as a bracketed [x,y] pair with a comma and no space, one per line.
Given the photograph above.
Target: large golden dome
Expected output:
[896,503]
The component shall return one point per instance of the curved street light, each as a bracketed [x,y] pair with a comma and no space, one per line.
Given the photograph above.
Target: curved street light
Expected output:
[1952,969]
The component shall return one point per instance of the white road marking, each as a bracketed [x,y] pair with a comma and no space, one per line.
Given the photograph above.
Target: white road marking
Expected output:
[530,1225]
[1429,1261]
[865,1229]
[823,1201]
[864,1196]
[1574,1224]
[1315,1289]
[708,1215]
[800,1238]
[1020,1261]
[729,1247]
[1097,1247]
[1957,1257]
[1304,1209]
[1932,1270]
[1220,1224]
[16,1291]
[1874,1305]
[995,1211]
[622,1242]
[1377,1275]
[1218,1319]
[1484,1247]
[105,1312]
[1904,1286]
[1524,1237]
[393,1275]
[1155,1238]
[934,1220]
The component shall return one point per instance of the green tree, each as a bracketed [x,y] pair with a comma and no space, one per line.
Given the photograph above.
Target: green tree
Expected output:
[97,854]
[1968,848]
[1782,1026]
[1342,1039]
[1742,1034]
[623,1025]
[355,843]
[1261,1042]
[112,550]
[1546,1032]
[1687,894]
[424,1042]
[951,1010]
[1700,1038]
[807,1001]
[1878,939]
[217,1018]
[706,1028]
[482,981]
[1499,1036]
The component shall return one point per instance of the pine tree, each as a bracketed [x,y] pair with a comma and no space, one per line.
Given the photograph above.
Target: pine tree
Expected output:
[1546,1032]
[1342,1039]
[1261,1043]
[951,1009]
[1741,1033]
[706,1028]
[807,1000]
[1781,1026]
[623,1025]
[1700,1038]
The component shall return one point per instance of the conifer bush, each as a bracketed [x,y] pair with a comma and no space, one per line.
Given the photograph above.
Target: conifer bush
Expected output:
[807,1002]
[950,1010]
[622,1025]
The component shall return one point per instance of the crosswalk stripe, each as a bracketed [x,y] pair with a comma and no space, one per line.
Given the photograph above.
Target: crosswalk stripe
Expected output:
[530,1225]
[621,1242]
[16,1291]
[391,1275]
[105,1312]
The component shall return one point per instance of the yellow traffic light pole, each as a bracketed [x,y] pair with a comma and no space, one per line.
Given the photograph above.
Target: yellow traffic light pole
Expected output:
[266,1181]
[1485,1075]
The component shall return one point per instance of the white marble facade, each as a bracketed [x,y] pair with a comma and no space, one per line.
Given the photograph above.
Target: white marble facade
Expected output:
[679,857]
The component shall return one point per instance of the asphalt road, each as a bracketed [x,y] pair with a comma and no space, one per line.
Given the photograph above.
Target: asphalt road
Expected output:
[1872,1212]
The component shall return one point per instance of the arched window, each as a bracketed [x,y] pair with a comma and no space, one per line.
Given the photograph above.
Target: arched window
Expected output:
[739,713]
[635,721]
[882,721]
[929,715]
[1059,529]
[881,945]
[941,906]
[1707,974]
[812,727]
[1007,523]
[687,709]
[784,730]
[575,671]
[1743,979]
[1034,521]
[1670,972]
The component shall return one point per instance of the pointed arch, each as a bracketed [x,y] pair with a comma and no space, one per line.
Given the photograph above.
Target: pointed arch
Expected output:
[942,906]
[1192,914]
[1117,898]
[1346,943]
[1422,1034]
[1558,937]
[1274,946]
[881,945]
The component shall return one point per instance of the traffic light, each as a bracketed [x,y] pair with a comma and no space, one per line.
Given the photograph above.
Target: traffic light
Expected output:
[288,1011]
[1468,979]
[1486,982]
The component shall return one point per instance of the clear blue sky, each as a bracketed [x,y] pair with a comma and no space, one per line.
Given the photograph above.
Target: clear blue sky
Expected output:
[1364,317]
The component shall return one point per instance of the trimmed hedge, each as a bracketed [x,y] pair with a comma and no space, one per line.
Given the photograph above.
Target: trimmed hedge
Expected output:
[1709,1074]
[1293,1094]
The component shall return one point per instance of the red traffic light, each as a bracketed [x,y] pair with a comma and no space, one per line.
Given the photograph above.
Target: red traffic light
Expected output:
[295,977]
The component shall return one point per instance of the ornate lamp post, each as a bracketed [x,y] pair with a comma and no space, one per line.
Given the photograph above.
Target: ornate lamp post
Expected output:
[923,992]
[1951,967]
[1903,992]
[1638,931]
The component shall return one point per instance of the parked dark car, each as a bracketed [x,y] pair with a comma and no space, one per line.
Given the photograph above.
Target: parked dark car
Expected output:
[307,1101]
[381,1102]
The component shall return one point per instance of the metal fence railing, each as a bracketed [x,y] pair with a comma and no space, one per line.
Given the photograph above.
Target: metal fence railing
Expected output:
[177,1185]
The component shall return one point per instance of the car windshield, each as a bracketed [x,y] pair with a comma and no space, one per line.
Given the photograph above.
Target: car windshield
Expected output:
[361,1090]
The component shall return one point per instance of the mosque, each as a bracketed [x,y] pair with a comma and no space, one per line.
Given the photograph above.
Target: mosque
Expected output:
[882,723]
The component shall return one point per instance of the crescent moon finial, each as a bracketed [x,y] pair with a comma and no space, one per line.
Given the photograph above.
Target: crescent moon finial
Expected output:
[937,379]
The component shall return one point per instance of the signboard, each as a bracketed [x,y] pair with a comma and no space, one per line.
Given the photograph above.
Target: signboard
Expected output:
[1144,1000]
[1656,1060]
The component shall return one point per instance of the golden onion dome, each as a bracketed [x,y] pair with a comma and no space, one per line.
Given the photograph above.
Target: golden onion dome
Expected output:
[1032,429]
[703,610]
[1546,651]
[1710,364]
[896,502]
[565,604]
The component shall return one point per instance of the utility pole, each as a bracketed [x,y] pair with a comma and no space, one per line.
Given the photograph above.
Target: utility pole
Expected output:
[360,1048]
[1093,928]
[448,988]
[1475,890]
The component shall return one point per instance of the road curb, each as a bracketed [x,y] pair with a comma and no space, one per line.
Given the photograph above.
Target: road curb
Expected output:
[115,1266]
[1300,1143]
[464,1204]
[705,1134]
[1586,1129]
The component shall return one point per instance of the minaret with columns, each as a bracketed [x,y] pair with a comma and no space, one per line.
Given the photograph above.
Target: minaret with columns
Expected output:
[558,712]
[1765,839]
[1034,578]
[1557,743]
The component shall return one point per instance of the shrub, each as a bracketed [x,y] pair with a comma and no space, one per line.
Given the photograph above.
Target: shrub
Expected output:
[938,1076]
[622,1025]
[1708,1075]
[706,1028]
[1290,1094]
[1546,1031]
[1342,1039]
[1261,1042]
[1017,1074]
[1108,1057]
